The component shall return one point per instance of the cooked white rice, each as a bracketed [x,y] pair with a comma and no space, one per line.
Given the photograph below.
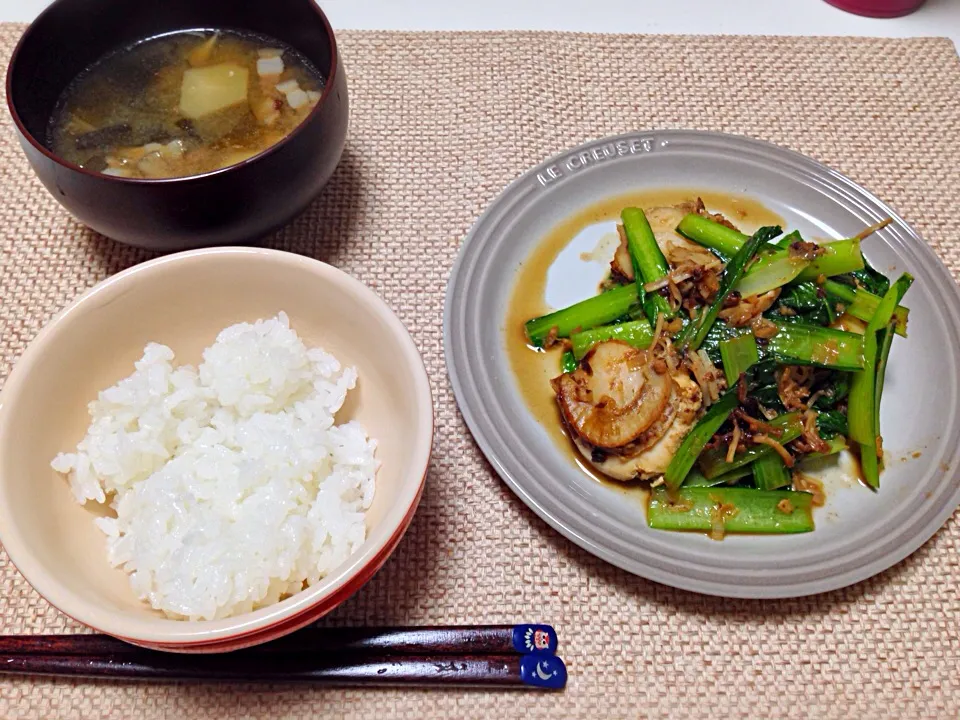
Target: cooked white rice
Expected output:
[231,483]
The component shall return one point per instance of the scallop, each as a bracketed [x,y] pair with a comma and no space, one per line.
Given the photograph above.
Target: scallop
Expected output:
[614,396]
[652,452]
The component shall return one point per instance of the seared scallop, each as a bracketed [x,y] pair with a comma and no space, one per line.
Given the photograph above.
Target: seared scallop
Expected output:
[651,453]
[614,396]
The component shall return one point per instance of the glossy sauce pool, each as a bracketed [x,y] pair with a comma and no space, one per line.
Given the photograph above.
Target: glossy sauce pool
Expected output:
[534,369]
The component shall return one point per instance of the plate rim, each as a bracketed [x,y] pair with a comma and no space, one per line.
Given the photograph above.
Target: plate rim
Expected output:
[906,238]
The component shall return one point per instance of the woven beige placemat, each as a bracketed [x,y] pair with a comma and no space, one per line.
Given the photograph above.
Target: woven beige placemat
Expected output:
[440,123]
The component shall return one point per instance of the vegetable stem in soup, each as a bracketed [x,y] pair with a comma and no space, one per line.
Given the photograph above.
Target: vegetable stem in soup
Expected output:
[183,104]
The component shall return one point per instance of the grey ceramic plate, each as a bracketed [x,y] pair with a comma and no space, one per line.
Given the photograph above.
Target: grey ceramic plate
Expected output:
[858,533]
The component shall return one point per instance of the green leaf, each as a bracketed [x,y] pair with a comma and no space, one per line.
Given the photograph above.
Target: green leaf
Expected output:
[872,279]
[834,389]
[831,423]
[739,354]
[806,301]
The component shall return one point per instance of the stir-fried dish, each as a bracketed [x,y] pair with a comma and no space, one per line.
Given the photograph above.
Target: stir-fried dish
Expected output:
[715,365]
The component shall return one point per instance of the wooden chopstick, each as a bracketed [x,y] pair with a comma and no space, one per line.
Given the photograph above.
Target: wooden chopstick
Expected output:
[427,640]
[491,656]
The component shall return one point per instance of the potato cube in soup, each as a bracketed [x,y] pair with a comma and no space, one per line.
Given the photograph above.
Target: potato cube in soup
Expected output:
[208,89]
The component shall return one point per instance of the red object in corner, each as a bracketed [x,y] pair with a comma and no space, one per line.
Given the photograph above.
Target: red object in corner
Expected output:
[878,8]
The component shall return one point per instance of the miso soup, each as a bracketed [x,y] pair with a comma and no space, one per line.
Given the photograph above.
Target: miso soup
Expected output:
[183,104]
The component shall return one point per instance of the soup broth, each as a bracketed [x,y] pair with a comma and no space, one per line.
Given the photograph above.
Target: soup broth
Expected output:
[183,104]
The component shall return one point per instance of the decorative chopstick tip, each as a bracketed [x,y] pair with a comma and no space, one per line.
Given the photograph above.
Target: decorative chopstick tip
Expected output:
[535,639]
[543,671]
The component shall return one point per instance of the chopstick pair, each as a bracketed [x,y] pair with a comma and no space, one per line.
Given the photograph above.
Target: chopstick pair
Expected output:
[520,656]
